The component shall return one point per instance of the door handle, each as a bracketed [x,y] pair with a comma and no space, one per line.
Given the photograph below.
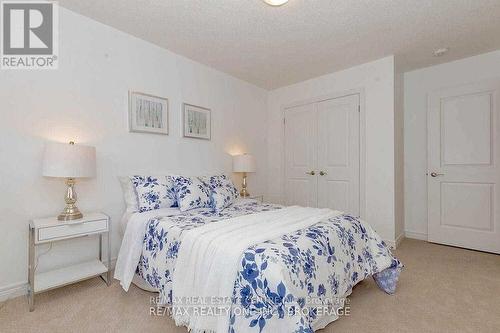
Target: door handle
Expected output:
[311,173]
[322,173]
[435,174]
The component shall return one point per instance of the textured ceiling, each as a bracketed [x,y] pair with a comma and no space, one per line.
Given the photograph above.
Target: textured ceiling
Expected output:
[276,46]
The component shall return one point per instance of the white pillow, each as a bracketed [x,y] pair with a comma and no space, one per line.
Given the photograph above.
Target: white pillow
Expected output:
[129,194]
[223,192]
[191,193]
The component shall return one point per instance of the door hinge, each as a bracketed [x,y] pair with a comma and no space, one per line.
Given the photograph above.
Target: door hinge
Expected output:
[359,108]
[284,121]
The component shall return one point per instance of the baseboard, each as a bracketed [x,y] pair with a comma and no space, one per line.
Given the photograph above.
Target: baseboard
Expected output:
[415,235]
[390,243]
[393,244]
[399,239]
[13,290]
[21,288]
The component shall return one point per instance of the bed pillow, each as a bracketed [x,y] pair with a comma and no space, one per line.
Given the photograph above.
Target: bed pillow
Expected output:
[191,193]
[223,192]
[129,194]
[153,192]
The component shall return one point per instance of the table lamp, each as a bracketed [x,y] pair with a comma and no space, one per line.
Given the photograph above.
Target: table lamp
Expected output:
[69,161]
[244,163]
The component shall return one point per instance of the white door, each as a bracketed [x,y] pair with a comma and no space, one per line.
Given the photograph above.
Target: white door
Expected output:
[464,172]
[338,154]
[322,154]
[300,156]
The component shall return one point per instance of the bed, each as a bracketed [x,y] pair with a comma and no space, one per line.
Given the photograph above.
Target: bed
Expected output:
[296,281]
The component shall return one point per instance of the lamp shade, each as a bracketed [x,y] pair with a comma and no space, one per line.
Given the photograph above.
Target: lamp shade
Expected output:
[243,163]
[68,161]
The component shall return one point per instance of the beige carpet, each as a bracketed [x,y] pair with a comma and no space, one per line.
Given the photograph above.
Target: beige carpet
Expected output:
[442,289]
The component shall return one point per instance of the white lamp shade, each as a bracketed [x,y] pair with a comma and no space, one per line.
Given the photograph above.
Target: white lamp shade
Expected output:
[243,163]
[68,161]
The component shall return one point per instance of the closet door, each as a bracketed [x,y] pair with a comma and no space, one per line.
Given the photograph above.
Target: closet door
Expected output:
[301,156]
[338,154]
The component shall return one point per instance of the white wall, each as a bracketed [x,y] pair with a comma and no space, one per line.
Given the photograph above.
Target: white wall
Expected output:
[86,100]
[399,207]
[376,79]
[417,85]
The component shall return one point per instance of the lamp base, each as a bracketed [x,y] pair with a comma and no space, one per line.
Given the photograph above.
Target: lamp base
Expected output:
[244,193]
[70,212]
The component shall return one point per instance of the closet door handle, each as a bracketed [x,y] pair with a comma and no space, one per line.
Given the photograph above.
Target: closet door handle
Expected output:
[435,174]
[311,173]
[322,173]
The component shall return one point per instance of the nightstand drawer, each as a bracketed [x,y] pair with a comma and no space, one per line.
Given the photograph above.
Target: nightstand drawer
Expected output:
[71,230]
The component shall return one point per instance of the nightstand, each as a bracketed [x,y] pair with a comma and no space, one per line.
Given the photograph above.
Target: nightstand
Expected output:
[256,197]
[49,230]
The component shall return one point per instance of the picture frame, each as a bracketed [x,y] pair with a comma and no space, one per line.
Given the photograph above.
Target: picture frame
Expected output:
[148,113]
[197,122]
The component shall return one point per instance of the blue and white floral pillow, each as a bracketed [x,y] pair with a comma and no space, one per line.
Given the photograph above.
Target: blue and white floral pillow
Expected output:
[191,193]
[153,192]
[223,192]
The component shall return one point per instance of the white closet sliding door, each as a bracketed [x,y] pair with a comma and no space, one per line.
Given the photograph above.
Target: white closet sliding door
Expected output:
[322,154]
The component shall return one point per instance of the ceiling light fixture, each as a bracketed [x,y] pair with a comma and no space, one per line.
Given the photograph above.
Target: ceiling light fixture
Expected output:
[276,3]
[440,52]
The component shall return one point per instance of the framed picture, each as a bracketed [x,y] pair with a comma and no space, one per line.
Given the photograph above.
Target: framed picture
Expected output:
[197,122]
[148,113]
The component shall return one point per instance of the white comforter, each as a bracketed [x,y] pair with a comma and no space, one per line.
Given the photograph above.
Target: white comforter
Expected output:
[209,259]
[282,284]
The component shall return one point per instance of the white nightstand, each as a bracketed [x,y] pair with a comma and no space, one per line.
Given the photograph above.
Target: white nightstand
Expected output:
[48,230]
[256,197]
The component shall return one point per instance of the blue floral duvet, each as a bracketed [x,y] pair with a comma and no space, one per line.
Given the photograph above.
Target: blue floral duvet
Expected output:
[295,283]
